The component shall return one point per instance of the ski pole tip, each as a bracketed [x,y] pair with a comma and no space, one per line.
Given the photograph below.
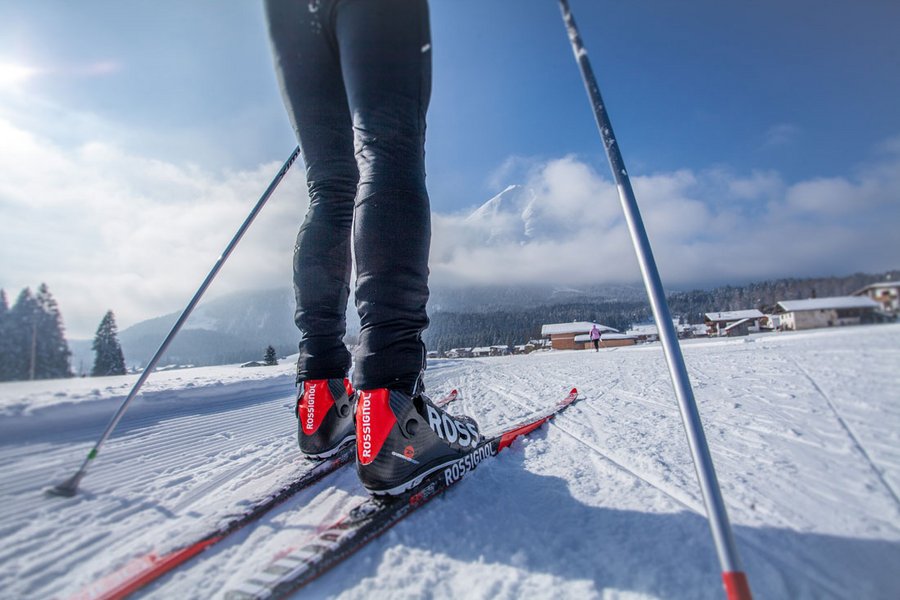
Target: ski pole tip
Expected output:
[66,489]
[61,491]
[736,586]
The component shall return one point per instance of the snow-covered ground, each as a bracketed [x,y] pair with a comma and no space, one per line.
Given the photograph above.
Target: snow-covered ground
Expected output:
[804,429]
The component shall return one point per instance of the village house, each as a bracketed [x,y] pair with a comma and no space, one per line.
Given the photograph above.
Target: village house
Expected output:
[562,335]
[826,312]
[490,351]
[734,322]
[886,293]
[649,332]
[608,340]
[459,353]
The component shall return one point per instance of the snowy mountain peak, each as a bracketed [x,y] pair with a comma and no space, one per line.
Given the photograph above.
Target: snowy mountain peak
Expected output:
[498,204]
[506,217]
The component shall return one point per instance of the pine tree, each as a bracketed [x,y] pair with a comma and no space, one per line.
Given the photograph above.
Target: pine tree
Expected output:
[271,358]
[6,347]
[51,351]
[21,324]
[108,357]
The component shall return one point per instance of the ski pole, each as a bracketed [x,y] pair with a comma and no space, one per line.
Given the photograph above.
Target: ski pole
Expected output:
[733,577]
[69,487]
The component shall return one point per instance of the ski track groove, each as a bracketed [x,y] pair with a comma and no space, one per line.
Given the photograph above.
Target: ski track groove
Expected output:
[686,503]
[689,504]
[136,447]
[140,460]
[199,491]
[853,438]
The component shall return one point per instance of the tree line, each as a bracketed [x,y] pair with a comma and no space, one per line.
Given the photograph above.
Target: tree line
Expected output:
[33,343]
[450,330]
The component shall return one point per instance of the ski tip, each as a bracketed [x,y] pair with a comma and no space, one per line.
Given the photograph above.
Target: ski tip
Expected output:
[574,392]
[454,392]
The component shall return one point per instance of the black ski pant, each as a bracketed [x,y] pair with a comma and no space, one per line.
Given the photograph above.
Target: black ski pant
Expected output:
[355,76]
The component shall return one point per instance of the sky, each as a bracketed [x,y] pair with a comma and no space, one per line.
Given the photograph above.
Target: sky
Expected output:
[763,140]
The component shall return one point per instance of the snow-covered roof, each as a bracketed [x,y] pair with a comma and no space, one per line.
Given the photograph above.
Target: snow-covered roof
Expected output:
[640,329]
[574,327]
[737,324]
[828,303]
[878,286]
[734,315]
[586,337]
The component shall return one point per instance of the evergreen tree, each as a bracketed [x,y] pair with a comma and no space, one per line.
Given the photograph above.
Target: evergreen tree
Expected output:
[21,324]
[50,349]
[6,347]
[108,357]
[271,358]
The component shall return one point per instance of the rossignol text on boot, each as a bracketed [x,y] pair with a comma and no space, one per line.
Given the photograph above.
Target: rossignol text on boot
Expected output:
[325,416]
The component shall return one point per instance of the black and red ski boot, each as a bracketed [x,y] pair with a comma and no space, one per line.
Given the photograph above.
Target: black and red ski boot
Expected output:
[325,413]
[401,439]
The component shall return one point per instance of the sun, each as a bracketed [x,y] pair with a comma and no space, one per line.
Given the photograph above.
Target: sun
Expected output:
[12,74]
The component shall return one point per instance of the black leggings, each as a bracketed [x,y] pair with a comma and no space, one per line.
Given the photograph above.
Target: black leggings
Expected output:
[356,80]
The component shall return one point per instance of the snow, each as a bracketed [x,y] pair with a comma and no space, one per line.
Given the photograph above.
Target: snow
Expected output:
[606,337]
[804,429]
[574,327]
[834,302]
[735,315]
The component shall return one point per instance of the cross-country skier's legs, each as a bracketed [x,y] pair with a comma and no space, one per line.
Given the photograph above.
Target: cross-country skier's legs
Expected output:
[307,64]
[386,61]
[308,68]
[360,71]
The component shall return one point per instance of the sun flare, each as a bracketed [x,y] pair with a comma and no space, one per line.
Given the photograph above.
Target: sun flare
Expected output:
[13,74]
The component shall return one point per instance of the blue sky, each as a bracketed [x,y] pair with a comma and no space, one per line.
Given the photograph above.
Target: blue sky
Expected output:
[764,139]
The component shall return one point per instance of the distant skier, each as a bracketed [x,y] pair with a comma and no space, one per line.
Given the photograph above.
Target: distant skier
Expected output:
[355,76]
[595,337]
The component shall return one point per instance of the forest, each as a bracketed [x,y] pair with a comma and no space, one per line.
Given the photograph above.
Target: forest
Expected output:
[458,329]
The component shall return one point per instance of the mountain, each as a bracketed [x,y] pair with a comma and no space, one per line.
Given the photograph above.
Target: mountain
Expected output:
[485,299]
[234,328]
[507,217]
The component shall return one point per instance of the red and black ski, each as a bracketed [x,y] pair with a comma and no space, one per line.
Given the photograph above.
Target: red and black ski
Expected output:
[150,567]
[372,516]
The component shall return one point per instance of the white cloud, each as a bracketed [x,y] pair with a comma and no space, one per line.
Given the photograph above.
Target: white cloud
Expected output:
[831,197]
[705,227]
[111,230]
[108,228]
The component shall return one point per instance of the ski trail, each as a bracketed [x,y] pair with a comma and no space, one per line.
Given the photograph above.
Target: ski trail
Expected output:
[777,561]
[201,490]
[169,472]
[680,499]
[853,437]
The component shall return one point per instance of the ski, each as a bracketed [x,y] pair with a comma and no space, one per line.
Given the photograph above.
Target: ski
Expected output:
[372,516]
[150,567]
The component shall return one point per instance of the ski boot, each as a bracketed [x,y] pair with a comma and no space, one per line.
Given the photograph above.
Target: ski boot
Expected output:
[325,416]
[401,439]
